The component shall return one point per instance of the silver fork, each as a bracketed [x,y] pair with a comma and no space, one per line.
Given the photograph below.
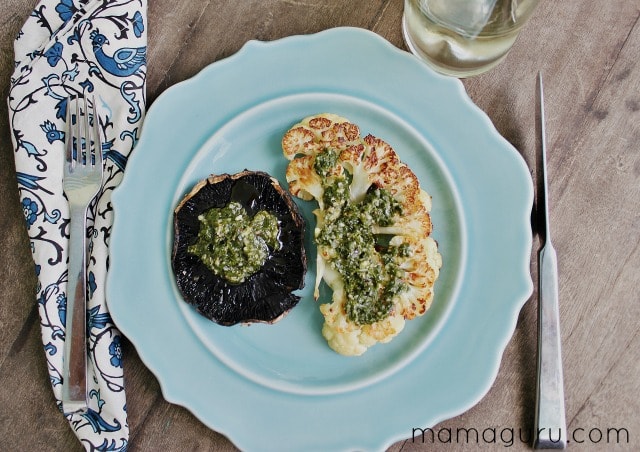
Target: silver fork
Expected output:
[82,180]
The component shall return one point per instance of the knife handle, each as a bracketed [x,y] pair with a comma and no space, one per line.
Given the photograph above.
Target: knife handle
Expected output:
[550,424]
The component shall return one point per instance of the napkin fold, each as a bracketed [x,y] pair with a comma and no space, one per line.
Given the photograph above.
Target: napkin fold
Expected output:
[78,48]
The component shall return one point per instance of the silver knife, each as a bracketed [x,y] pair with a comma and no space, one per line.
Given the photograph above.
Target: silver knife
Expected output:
[550,423]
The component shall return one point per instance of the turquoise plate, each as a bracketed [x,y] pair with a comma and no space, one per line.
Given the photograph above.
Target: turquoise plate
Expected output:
[279,386]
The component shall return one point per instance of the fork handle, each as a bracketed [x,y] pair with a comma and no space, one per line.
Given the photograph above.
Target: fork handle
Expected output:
[74,380]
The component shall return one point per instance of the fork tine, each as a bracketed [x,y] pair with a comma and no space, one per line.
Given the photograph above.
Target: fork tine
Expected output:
[68,154]
[77,135]
[86,155]
[83,144]
[96,135]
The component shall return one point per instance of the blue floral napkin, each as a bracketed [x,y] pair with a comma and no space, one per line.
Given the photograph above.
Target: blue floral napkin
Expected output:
[78,48]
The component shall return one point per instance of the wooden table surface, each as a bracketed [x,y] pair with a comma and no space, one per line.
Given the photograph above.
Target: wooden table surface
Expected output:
[588,51]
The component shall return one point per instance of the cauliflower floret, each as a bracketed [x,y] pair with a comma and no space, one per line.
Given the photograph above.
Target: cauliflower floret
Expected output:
[314,133]
[400,261]
[421,269]
[304,182]
[349,339]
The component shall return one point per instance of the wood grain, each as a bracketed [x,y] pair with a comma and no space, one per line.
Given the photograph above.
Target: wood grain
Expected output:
[588,52]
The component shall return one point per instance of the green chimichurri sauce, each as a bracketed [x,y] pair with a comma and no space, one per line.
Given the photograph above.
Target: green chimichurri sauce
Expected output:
[233,245]
[367,265]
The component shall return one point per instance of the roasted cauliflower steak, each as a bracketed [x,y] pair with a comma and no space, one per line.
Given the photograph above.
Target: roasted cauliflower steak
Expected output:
[373,230]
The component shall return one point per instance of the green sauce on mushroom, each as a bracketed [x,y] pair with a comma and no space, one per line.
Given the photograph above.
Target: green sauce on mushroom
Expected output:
[234,245]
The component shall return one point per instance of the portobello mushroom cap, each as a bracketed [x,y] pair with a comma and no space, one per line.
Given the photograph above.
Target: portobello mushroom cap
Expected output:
[265,296]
